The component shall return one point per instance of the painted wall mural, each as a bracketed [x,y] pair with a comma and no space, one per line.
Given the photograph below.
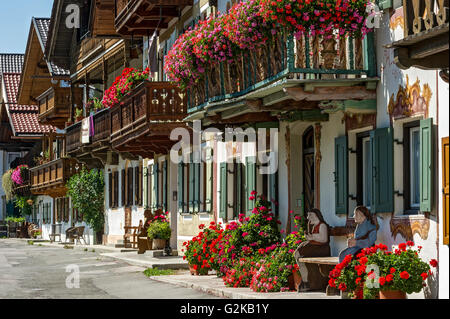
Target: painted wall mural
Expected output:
[410,100]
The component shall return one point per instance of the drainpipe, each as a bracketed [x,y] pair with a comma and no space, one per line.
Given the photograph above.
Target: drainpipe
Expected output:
[437,188]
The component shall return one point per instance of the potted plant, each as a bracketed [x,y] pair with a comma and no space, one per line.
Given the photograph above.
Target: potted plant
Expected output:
[159,231]
[79,114]
[400,272]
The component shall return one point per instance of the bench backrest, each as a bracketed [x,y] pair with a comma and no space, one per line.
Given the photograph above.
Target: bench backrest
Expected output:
[56,229]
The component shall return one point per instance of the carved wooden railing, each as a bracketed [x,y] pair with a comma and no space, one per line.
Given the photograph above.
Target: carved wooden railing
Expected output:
[423,15]
[24,189]
[52,174]
[150,101]
[286,57]
[55,104]
[102,131]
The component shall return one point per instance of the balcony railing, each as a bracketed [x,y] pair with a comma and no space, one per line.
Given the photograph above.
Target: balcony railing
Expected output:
[308,58]
[101,132]
[425,15]
[51,178]
[149,104]
[55,103]
[24,189]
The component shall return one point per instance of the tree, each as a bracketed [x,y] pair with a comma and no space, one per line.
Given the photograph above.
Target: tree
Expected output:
[87,191]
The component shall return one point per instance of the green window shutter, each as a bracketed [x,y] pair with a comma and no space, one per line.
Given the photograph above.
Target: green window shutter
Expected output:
[250,182]
[341,174]
[209,180]
[191,185]
[384,4]
[181,188]
[223,191]
[156,186]
[382,141]
[237,188]
[426,165]
[196,187]
[164,186]
[273,189]
[145,188]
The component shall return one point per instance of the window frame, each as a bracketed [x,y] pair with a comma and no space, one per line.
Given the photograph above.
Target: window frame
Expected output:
[407,128]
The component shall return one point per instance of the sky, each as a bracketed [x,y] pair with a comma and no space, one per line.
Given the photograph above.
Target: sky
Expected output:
[15,21]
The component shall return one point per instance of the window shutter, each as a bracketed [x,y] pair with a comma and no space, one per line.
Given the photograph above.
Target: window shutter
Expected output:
[384,4]
[191,185]
[145,187]
[116,189]
[140,185]
[250,182]
[209,180]
[181,187]
[445,178]
[382,141]
[341,174]
[164,186]
[123,188]
[237,175]
[110,190]
[136,186]
[130,187]
[67,209]
[197,187]
[223,191]
[156,185]
[273,192]
[426,165]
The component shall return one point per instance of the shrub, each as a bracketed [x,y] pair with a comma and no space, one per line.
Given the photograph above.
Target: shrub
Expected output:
[87,191]
[240,274]
[8,185]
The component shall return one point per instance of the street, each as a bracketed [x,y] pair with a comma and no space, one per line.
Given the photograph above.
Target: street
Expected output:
[33,271]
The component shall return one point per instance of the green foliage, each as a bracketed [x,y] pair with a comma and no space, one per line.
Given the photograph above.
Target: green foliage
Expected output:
[159,229]
[30,242]
[8,185]
[21,202]
[151,272]
[87,191]
[15,219]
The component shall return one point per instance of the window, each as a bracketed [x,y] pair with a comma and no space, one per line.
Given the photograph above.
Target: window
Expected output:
[62,209]
[364,169]
[157,190]
[138,185]
[113,189]
[411,172]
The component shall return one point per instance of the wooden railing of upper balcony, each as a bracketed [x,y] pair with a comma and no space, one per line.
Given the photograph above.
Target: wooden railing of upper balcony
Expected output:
[308,58]
[55,104]
[424,15]
[24,189]
[148,104]
[51,178]
[102,132]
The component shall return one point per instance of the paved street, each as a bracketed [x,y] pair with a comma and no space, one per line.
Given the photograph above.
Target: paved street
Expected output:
[33,271]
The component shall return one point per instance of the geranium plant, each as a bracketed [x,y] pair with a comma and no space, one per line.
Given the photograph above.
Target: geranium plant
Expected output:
[20,174]
[376,269]
[123,84]
[199,251]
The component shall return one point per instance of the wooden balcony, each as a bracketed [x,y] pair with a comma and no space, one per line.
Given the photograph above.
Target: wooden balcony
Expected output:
[55,103]
[142,122]
[290,70]
[97,151]
[141,17]
[25,188]
[50,179]
[426,35]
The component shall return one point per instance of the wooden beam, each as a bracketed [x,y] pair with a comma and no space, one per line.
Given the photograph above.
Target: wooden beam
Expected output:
[331,93]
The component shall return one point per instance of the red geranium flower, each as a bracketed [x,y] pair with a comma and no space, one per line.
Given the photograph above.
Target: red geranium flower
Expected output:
[404,275]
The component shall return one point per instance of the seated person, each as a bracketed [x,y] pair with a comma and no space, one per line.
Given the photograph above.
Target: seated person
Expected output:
[365,233]
[317,245]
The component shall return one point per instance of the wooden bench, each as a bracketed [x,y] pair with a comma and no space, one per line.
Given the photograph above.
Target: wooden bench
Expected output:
[130,237]
[325,264]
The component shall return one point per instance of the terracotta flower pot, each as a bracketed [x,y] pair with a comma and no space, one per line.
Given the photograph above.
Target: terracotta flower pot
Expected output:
[392,294]
[159,244]
[193,271]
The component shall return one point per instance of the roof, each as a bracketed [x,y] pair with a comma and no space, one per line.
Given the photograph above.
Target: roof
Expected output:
[24,119]
[11,62]
[42,26]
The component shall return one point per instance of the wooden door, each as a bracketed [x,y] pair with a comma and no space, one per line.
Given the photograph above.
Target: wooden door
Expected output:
[445,178]
[127,227]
